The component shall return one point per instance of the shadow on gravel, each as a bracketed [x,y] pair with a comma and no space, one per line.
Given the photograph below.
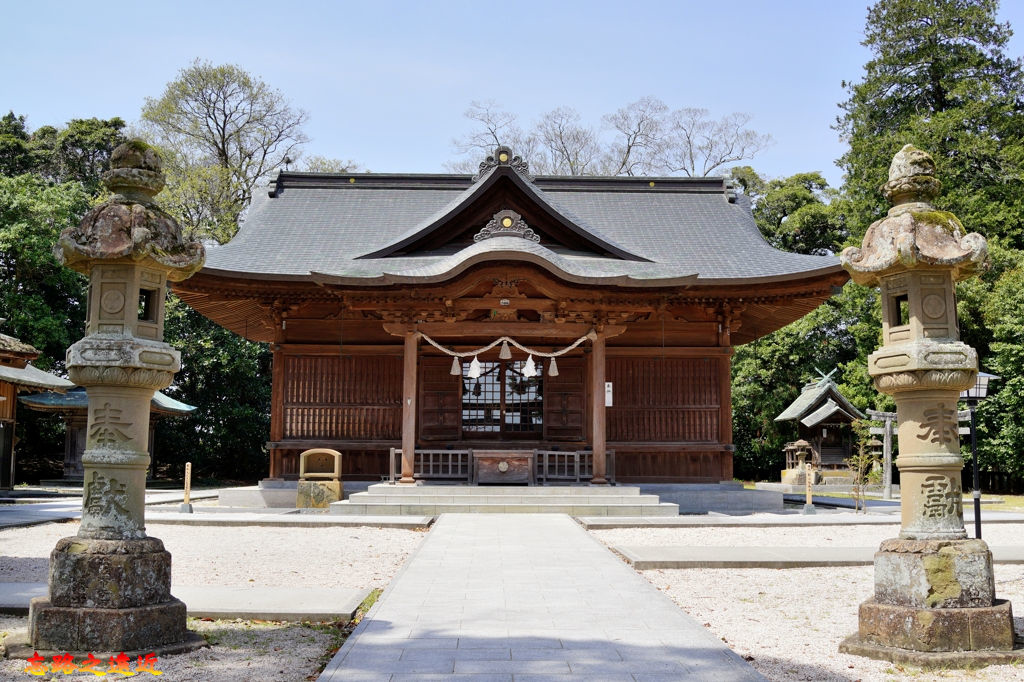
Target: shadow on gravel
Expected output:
[794,670]
[24,569]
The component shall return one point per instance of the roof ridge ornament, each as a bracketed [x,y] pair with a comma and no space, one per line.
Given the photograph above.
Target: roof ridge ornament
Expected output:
[503,156]
[506,223]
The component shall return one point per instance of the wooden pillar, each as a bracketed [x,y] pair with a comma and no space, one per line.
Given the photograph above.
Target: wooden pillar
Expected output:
[725,413]
[598,431]
[277,394]
[409,408]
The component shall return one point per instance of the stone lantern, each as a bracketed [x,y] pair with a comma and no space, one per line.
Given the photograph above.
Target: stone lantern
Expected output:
[109,587]
[934,599]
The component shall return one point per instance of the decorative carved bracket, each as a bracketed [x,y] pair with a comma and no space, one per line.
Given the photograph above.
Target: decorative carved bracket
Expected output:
[506,223]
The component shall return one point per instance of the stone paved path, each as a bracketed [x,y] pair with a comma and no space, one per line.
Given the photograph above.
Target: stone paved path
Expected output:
[526,597]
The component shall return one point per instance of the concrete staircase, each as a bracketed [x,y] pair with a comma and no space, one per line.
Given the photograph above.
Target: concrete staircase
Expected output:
[386,499]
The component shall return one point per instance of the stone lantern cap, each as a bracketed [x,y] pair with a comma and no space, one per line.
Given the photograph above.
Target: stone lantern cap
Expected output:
[914,234]
[129,225]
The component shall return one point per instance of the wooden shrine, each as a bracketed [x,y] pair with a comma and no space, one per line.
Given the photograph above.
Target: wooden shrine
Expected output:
[369,286]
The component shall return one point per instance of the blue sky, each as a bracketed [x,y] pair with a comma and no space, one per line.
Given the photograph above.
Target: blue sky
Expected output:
[386,83]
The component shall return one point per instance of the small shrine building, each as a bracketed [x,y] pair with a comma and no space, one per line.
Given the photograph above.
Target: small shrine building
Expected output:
[824,417]
[627,293]
[17,375]
[73,406]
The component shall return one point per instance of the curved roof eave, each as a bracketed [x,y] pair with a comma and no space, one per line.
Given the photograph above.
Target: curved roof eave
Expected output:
[386,279]
[563,217]
[463,264]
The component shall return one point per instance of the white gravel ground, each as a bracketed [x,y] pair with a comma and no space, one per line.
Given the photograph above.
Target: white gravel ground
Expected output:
[242,651]
[789,622]
[260,556]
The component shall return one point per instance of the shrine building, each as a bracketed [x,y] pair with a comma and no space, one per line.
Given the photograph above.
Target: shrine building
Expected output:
[622,298]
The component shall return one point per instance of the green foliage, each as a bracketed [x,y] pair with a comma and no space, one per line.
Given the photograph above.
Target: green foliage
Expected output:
[793,214]
[768,374]
[1001,431]
[42,301]
[222,117]
[228,380]
[939,79]
[15,151]
[81,151]
[861,463]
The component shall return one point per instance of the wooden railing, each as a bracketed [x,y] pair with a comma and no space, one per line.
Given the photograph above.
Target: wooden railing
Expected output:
[576,466]
[456,465]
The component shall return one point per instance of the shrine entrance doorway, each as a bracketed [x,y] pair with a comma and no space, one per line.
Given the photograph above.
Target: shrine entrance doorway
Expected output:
[505,402]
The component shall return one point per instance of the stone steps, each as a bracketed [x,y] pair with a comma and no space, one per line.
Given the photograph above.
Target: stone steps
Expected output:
[424,500]
[367,498]
[485,490]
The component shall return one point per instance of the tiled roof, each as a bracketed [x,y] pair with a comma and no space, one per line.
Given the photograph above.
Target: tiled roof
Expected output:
[31,377]
[812,397]
[659,231]
[78,399]
[13,345]
[824,412]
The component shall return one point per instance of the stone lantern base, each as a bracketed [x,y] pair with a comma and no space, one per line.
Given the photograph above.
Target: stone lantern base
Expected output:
[108,595]
[935,606]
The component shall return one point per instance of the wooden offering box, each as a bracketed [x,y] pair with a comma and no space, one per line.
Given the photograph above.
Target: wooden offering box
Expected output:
[509,467]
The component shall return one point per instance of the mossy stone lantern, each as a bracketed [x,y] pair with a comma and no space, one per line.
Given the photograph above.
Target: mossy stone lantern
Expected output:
[934,599]
[110,585]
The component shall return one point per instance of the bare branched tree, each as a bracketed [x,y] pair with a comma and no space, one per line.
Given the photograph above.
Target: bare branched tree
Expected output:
[697,145]
[569,148]
[225,116]
[639,140]
[642,138]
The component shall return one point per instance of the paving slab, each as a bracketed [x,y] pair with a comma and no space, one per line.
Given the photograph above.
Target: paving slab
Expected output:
[214,601]
[526,596]
[648,557]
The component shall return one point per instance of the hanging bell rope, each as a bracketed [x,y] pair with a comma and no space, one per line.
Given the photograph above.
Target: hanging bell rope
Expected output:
[505,353]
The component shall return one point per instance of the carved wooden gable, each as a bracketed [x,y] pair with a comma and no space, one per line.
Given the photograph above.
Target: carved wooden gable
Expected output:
[503,203]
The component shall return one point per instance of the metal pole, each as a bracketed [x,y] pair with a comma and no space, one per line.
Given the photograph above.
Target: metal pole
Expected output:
[977,475]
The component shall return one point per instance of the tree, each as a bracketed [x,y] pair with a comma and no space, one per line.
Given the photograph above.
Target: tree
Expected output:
[224,116]
[42,301]
[642,138]
[768,374]
[323,164]
[939,78]
[698,146]
[81,151]
[15,151]
[793,215]
[227,378]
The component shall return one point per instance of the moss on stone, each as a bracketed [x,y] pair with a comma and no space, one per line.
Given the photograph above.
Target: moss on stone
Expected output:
[941,575]
[943,220]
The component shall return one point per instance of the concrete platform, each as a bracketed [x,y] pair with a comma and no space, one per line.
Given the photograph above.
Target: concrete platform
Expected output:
[206,601]
[650,557]
[247,518]
[526,597]
[780,520]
